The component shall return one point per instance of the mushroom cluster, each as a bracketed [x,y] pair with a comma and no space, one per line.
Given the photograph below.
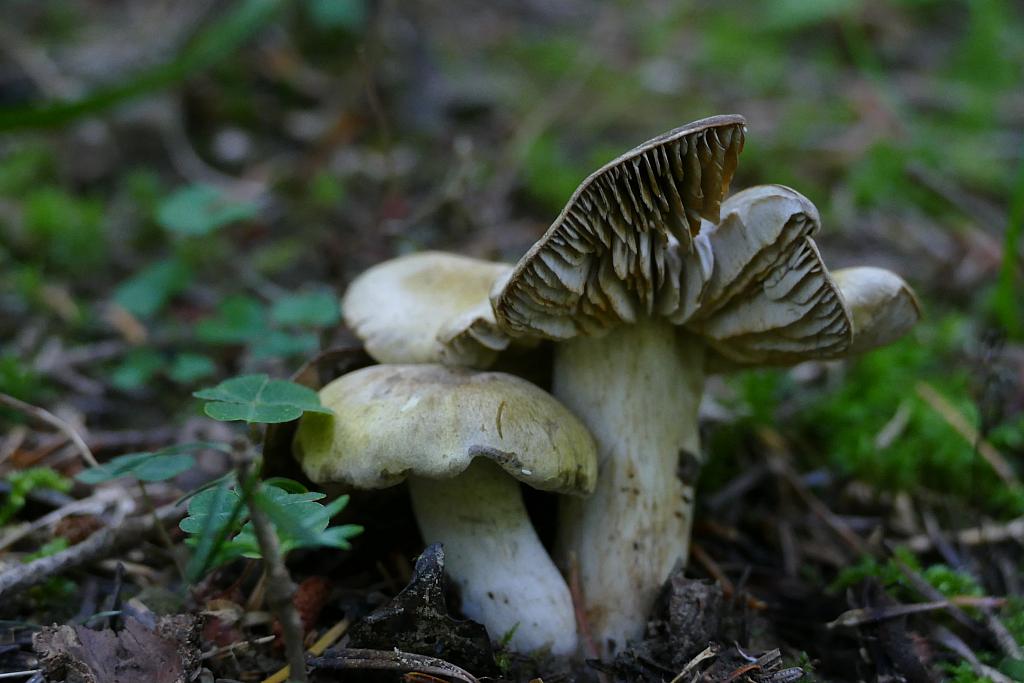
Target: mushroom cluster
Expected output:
[646,282]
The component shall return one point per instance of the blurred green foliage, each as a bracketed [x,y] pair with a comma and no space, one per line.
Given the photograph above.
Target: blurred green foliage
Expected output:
[23,482]
[18,379]
[68,230]
[55,591]
[148,291]
[337,14]
[198,210]
[306,309]
[963,672]
[147,466]
[947,581]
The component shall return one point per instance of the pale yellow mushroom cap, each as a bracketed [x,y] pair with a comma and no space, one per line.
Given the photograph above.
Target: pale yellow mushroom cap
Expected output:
[883,306]
[393,421]
[428,307]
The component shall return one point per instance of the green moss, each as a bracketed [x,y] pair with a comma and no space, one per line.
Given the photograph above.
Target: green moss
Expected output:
[23,167]
[19,379]
[873,424]
[942,578]
[963,673]
[550,173]
[23,482]
[68,230]
[880,177]
[882,388]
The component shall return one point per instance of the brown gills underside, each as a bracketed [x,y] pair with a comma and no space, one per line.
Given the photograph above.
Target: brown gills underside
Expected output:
[620,247]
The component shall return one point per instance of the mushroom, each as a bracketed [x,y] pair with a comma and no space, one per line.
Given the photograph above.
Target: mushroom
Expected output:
[642,296]
[428,307]
[462,439]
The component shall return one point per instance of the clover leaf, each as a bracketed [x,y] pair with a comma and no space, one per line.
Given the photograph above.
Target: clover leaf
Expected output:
[311,309]
[160,465]
[198,210]
[259,399]
[299,520]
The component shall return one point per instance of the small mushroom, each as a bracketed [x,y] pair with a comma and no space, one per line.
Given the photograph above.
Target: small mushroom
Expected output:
[428,307]
[463,440]
[644,288]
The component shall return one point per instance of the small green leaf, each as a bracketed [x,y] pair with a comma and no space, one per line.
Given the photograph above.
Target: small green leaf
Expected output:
[66,229]
[299,521]
[51,547]
[19,379]
[214,515]
[137,369]
[259,399]
[189,367]
[215,502]
[325,190]
[146,292]
[335,14]
[200,209]
[239,319]
[278,344]
[160,465]
[312,309]
[285,484]
[1014,668]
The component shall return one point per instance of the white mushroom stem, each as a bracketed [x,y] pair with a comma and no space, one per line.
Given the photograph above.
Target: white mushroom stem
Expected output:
[492,553]
[638,389]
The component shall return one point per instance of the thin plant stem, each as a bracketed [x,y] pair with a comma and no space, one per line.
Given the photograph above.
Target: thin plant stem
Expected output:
[161,532]
[280,587]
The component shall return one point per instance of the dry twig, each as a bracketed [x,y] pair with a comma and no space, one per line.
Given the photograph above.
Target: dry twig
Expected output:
[395,660]
[100,545]
[944,636]
[94,505]
[49,418]
[980,535]
[329,638]
[941,405]
[873,615]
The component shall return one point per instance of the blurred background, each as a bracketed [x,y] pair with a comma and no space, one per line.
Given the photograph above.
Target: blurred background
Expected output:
[186,188]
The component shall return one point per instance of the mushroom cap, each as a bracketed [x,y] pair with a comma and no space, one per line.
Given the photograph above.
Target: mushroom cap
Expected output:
[626,244]
[770,298]
[393,421]
[427,307]
[883,306]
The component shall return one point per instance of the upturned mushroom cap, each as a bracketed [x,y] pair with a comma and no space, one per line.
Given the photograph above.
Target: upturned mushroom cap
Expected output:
[770,299]
[883,306]
[626,243]
[393,421]
[427,307]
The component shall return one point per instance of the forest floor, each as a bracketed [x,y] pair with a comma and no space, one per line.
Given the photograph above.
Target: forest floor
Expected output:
[187,188]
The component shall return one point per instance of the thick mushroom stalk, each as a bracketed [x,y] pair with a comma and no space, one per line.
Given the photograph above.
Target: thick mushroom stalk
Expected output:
[463,440]
[505,577]
[638,388]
